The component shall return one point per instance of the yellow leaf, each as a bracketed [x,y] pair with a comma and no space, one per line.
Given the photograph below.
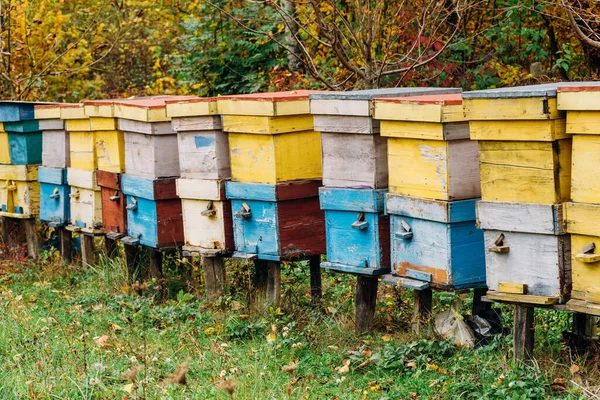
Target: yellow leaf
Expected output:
[386,338]
[128,388]
[271,337]
[344,369]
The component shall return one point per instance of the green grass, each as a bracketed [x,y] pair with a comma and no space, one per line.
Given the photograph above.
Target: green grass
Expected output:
[72,332]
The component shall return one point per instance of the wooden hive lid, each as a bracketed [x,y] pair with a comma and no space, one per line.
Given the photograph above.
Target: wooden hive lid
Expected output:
[579,96]
[16,111]
[271,104]
[49,111]
[193,107]
[428,108]
[72,111]
[143,109]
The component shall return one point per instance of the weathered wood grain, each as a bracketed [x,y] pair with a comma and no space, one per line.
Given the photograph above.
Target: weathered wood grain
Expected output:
[146,128]
[151,157]
[56,149]
[583,122]
[267,125]
[207,224]
[187,124]
[547,219]
[425,130]
[346,124]
[585,176]
[366,301]
[204,155]
[201,189]
[586,276]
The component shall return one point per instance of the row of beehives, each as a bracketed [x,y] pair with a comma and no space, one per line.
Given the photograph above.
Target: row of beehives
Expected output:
[269,147]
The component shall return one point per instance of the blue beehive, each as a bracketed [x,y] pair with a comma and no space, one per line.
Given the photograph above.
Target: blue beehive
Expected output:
[357,230]
[54,196]
[25,142]
[276,221]
[436,242]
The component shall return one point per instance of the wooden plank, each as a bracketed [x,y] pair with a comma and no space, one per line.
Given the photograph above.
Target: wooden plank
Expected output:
[192,107]
[4,148]
[31,234]
[346,124]
[366,301]
[25,148]
[519,130]
[582,100]
[526,172]
[439,108]
[524,108]
[583,307]
[515,288]
[266,104]
[145,109]
[156,266]
[82,178]
[546,219]
[585,182]
[273,282]
[132,260]
[214,276]
[65,244]
[146,128]
[55,149]
[77,125]
[208,231]
[82,147]
[201,189]
[110,151]
[433,210]
[151,157]
[87,250]
[359,200]
[267,125]
[522,298]
[194,124]
[85,208]
[584,325]
[423,305]
[354,160]
[99,108]
[204,155]
[272,193]
[151,189]
[357,108]
[585,275]
[425,130]
[583,122]
[19,172]
[51,125]
[43,112]
[523,333]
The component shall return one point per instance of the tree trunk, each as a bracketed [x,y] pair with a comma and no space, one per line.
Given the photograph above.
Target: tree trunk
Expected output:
[291,28]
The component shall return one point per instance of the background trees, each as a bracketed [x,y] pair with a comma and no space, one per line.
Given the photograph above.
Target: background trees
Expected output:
[68,50]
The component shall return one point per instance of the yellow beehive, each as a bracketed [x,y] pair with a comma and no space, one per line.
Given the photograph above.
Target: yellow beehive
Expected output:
[4,147]
[429,151]
[524,151]
[19,191]
[271,137]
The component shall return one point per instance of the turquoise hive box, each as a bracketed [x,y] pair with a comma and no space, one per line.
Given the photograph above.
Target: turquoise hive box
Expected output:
[54,196]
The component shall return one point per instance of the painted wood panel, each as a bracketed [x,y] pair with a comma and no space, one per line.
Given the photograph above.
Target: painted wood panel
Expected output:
[19,172]
[145,109]
[425,130]
[582,218]
[346,124]
[357,200]
[50,112]
[201,189]
[266,104]
[57,176]
[114,214]
[519,130]
[51,125]
[275,158]
[582,97]
[25,148]
[545,219]
[438,169]
[203,155]
[54,203]
[542,262]
[354,160]
[433,210]
[146,128]
[267,125]
[72,111]
[208,225]
[85,208]
[4,148]
[523,108]
[187,124]
[155,223]
[82,148]
[110,150]
[19,197]
[448,256]
[151,189]
[282,191]
[585,176]
[152,157]
[586,272]
[56,149]
[11,111]
[526,172]
[583,122]
[191,107]
[428,108]
[22,126]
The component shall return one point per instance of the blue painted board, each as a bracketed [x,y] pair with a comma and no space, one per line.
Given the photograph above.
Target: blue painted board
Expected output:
[352,199]
[22,126]
[12,111]
[257,233]
[142,221]
[25,148]
[151,189]
[54,203]
[453,253]
[433,210]
[254,191]
[57,176]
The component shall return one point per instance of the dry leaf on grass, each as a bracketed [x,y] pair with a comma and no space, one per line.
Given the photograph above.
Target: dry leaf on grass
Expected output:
[290,368]
[179,375]
[227,385]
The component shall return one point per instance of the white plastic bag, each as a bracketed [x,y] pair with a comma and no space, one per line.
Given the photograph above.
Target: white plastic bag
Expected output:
[450,324]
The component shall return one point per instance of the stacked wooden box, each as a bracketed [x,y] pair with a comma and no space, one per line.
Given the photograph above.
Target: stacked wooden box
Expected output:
[525,163]
[204,166]
[355,176]
[85,202]
[151,169]
[582,105]
[434,183]
[108,147]
[275,158]
[52,175]
[20,155]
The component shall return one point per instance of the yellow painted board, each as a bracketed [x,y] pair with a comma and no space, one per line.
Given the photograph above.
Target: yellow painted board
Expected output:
[99,110]
[523,130]
[524,108]
[585,276]
[516,288]
[80,125]
[267,125]
[46,112]
[18,172]
[521,298]
[1,127]
[433,169]
[263,108]
[110,151]
[82,147]
[142,114]
[582,218]
[579,100]
[103,124]
[526,172]
[14,193]
[583,122]
[75,111]
[275,158]
[409,129]
[386,110]
[4,148]
[585,183]
[192,108]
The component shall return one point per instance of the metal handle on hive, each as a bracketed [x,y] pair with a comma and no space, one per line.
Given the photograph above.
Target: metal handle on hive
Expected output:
[115,197]
[133,205]
[360,222]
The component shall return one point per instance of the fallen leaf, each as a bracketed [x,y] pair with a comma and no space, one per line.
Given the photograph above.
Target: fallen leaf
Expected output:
[386,338]
[559,384]
[363,364]
[102,341]
[574,369]
[228,385]
[345,368]
[332,347]
[432,367]
[236,305]
[179,375]
[290,368]
[271,337]
[128,388]
[411,364]
[115,327]
[367,353]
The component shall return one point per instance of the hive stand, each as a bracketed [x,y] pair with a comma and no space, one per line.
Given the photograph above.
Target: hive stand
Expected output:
[10,234]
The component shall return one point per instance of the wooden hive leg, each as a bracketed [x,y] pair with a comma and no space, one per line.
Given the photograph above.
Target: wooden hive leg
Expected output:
[316,290]
[214,276]
[523,333]
[65,243]
[33,245]
[273,282]
[111,247]
[423,304]
[259,280]
[478,305]
[366,301]
[87,248]
[584,325]
[132,259]
[156,271]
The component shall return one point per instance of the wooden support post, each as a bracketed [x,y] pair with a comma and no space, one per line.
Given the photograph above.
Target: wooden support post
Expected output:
[273,282]
[523,333]
[111,247]
[316,291]
[87,248]
[132,259]
[66,244]
[5,232]
[478,305]
[260,275]
[214,276]
[423,304]
[366,300]
[584,325]
[31,235]
[156,264]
